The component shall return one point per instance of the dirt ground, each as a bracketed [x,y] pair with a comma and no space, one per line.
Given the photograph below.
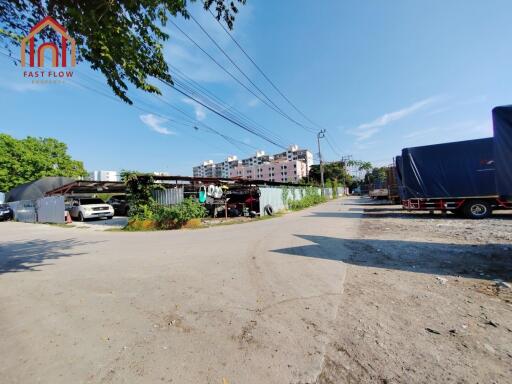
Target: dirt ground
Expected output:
[345,292]
[423,301]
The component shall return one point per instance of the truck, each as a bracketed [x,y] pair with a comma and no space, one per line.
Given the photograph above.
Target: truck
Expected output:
[378,189]
[468,178]
[386,187]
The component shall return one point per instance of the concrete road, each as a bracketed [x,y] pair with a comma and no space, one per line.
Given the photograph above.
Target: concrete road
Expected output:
[232,304]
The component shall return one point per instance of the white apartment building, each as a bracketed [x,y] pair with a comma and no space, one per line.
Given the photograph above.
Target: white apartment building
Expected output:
[286,171]
[291,165]
[104,176]
[295,153]
[207,169]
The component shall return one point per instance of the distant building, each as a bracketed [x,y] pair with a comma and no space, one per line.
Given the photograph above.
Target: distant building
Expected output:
[289,166]
[207,169]
[295,153]
[286,171]
[104,176]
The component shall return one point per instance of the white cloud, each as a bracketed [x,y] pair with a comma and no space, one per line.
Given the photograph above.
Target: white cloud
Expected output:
[367,130]
[155,123]
[463,103]
[461,130]
[199,110]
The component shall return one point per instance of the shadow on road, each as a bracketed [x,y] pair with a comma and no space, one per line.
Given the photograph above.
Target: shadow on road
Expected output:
[25,256]
[354,214]
[103,224]
[477,261]
[382,213]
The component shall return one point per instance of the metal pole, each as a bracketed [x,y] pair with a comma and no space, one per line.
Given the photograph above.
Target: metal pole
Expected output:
[319,136]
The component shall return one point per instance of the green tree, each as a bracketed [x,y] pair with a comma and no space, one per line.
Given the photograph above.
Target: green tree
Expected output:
[360,165]
[123,39]
[139,188]
[378,173]
[333,172]
[31,158]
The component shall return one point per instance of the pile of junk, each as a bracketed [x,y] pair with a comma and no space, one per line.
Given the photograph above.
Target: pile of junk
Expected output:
[230,200]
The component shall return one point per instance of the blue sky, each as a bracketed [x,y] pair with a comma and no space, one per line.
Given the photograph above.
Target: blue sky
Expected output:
[379,76]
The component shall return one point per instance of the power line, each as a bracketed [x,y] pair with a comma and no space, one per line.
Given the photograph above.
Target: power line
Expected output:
[234,77]
[247,77]
[224,116]
[192,122]
[192,88]
[229,139]
[263,73]
[230,119]
[332,146]
[267,137]
[222,103]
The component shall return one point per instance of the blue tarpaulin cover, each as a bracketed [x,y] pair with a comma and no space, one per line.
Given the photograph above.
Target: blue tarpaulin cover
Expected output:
[450,170]
[502,122]
[398,171]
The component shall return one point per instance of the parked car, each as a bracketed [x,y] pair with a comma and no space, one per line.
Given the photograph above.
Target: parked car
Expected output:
[6,212]
[120,204]
[90,208]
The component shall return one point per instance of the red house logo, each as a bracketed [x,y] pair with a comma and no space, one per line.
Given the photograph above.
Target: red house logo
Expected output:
[59,56]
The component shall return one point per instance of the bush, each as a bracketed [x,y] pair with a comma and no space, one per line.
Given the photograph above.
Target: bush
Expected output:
[312,197]
[305,202]
[139,188]
[177,215]
[154,216]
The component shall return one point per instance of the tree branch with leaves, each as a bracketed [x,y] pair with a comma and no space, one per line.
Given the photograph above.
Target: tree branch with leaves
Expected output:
[123,39]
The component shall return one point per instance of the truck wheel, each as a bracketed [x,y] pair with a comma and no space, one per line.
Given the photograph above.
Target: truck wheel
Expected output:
[477,209]
[80,217]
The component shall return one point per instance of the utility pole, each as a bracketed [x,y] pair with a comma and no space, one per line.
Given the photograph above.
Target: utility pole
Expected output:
[319,136]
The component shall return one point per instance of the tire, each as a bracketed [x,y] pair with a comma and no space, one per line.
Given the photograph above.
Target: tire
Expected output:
[81,217]
[477,210]
[268,210]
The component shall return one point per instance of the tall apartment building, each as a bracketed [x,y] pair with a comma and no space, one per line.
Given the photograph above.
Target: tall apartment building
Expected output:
[295,153]
[289,171]
[104,176]
[207,169]
[289,166]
